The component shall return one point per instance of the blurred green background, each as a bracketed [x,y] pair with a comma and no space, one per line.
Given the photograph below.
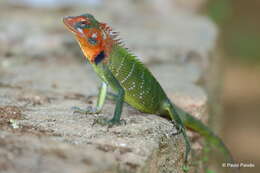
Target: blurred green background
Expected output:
[239,24]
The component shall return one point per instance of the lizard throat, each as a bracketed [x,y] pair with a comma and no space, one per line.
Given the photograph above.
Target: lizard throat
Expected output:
[101,56]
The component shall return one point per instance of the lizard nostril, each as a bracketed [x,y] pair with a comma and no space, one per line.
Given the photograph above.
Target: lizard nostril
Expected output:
[67,18]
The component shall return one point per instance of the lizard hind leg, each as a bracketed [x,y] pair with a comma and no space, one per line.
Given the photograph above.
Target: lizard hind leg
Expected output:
[174,116]
[117,113]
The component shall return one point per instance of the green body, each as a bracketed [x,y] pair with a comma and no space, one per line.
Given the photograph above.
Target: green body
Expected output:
[127,76]
[142,91]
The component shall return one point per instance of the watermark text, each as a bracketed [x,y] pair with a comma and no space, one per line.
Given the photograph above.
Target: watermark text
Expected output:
[238,165]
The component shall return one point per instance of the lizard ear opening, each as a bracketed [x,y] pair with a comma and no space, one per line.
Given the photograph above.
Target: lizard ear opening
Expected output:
[99,57]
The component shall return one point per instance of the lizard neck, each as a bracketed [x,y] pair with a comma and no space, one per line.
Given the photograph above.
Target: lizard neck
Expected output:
[117,53]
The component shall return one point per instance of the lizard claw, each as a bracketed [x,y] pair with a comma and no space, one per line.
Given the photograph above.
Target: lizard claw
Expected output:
[89,110]
[178,128]
[106,122]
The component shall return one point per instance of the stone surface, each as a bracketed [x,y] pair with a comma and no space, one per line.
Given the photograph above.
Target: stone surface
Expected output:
[43,74]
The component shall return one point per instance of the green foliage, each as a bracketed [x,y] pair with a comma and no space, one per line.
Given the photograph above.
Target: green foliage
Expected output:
[239,26]
[210,171]
[206,150]
[219,10]
[244,45]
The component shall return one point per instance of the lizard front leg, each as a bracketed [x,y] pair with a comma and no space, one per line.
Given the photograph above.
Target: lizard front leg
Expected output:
[119,98]
[100,102]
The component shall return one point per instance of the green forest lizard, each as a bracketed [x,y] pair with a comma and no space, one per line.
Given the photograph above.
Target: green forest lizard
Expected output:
[130,79]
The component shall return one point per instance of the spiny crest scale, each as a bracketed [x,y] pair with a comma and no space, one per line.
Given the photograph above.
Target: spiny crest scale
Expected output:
[114,35]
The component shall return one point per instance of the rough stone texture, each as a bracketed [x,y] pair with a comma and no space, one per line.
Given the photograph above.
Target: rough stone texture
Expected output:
[40,80]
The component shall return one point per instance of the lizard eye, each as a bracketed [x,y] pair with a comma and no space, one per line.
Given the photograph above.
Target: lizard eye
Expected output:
[92,41]
[82,25]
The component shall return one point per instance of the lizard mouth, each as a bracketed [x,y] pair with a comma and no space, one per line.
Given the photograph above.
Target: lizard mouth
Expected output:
[69,23]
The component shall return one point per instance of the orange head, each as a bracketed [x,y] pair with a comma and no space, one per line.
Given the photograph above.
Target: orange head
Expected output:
[94,37]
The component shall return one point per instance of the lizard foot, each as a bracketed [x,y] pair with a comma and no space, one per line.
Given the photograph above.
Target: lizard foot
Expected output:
[110,96]
[106,122]
[89,110]
[185,168]
[178,128]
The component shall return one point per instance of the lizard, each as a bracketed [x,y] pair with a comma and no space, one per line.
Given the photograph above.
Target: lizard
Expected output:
[131,80]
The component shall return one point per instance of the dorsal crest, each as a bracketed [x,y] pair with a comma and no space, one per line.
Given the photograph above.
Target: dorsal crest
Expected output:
[114,35]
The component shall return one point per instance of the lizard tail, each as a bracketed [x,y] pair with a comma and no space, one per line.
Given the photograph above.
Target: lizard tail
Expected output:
[196,125]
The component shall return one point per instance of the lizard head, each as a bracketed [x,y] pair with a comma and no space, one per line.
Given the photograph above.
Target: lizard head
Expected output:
[93,37]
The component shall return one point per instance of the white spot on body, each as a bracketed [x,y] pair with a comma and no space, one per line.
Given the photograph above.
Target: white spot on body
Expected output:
[121,64]
[129,74]
[142,78]
[132,87]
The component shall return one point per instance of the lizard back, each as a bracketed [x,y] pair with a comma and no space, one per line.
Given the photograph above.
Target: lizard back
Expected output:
[142,90]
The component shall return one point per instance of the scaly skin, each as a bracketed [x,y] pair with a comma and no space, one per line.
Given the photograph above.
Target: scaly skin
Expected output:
[130,79]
